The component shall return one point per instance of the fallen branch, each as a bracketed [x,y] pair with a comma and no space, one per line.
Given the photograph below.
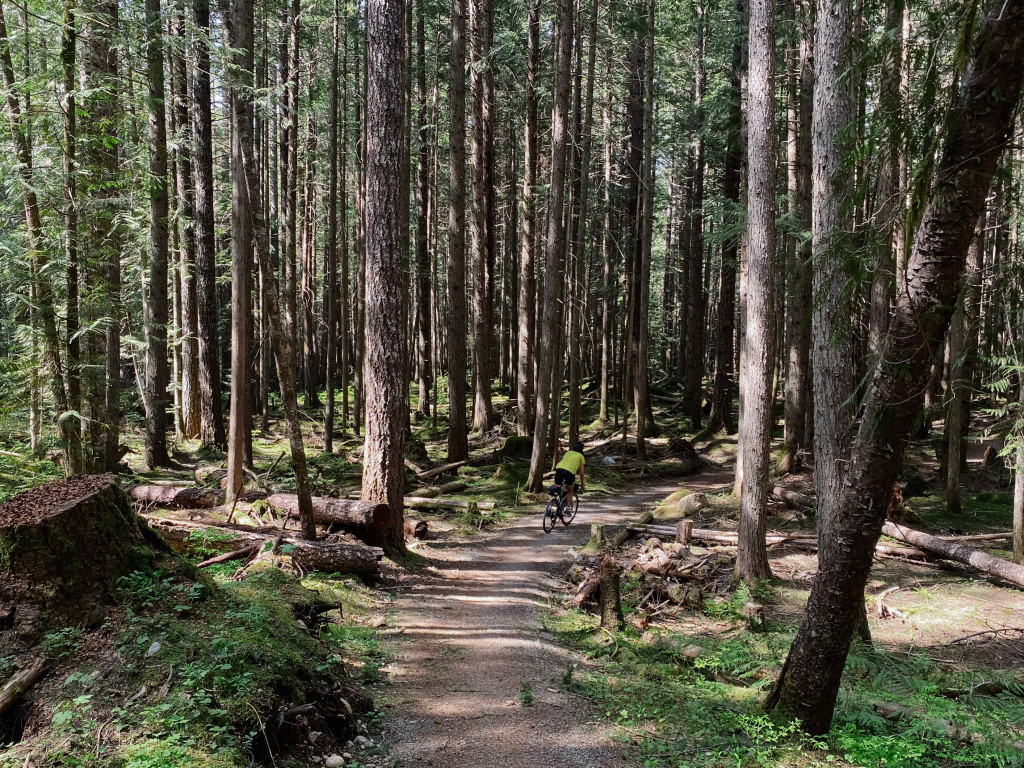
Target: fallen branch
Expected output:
[238,554]
[951,550]
[986,632]
[20,683]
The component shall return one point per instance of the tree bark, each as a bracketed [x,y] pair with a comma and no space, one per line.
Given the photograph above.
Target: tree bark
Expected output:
[798,278]
[833,351]
[211,414]
[331,247]
[424,349]
[979,125]
[555,240]
[482,237]
[458,442]
[963,358]
[384,447]
[759,332]
[157,373]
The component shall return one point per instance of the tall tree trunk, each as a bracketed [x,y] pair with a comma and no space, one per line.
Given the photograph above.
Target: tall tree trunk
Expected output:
[722,389]
[384,449]
[980,120]
[331,247]
[191,394]
[423,271]
[798,278]
[247,219]
[41,286]
[458,444]
[482,237]
[696,299]
[157,373]
[555,240]
[528,245]
[1018,495]
[212,415]
[759,332]
[608,299]
[833,373]
[963,358]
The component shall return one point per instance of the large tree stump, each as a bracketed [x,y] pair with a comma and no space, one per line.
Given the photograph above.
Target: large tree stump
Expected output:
[64,545]
[611,602]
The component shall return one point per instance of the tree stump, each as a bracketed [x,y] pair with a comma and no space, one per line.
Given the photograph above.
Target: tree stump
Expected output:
[684,532]
[597,535]
[611,602]
[64,545]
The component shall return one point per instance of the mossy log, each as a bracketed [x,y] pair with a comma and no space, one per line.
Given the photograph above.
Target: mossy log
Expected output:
[65,544]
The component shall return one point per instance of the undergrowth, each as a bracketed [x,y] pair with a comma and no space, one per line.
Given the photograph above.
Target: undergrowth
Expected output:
[695,700]
[189,671]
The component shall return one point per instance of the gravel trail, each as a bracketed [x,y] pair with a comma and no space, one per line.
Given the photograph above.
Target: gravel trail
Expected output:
[468,638]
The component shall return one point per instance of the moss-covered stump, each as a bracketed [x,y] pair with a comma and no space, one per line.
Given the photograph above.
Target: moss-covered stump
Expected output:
[517,448]
[63,546]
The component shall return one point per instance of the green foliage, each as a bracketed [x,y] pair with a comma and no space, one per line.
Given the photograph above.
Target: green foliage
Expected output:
[526,694]
[62,642]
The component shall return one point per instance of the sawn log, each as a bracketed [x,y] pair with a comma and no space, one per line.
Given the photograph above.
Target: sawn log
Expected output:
[343,512]
[174,496]
[952,550]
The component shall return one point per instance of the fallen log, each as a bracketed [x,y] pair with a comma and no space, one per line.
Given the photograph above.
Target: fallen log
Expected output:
[343,512]
[952,550]
[978,537]
[423,502]
[626,532]
[20,683]
[439,490]
[441,470]
[587,588]
[311,555]
[174,496]
[415,529]
[792,498]
[238,554]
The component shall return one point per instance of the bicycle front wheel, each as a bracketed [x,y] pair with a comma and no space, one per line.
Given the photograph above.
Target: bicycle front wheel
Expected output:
[569,510]
[550,516]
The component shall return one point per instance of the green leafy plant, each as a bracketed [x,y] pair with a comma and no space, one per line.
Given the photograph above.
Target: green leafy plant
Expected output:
[526,694]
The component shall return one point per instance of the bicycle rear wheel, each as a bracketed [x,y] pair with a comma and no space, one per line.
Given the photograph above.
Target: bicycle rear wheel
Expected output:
[569,511]
[550,516]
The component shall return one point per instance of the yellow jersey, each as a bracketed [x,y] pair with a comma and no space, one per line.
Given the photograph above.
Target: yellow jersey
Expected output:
[571,462]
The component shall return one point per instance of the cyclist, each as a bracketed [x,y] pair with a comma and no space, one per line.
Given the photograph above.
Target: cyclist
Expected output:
[565,471]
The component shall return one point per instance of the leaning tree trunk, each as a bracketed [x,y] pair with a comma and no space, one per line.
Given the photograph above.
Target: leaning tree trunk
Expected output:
[980,122]
[384,449]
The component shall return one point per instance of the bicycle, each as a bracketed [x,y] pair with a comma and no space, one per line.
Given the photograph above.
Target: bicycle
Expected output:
[557,508]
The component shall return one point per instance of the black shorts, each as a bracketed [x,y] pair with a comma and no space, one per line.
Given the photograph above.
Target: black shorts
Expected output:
[565,477]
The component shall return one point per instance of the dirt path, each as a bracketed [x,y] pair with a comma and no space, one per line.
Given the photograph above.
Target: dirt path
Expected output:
[468,639]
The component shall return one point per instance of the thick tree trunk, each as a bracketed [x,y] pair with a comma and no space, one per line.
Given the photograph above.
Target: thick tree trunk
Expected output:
[833,349]
[212,415]
[759,332]
[458,443]
[980,123]
[384,447]
[555,240]
[157,373]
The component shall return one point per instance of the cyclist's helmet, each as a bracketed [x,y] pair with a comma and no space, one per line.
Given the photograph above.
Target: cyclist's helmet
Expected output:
[578,447]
